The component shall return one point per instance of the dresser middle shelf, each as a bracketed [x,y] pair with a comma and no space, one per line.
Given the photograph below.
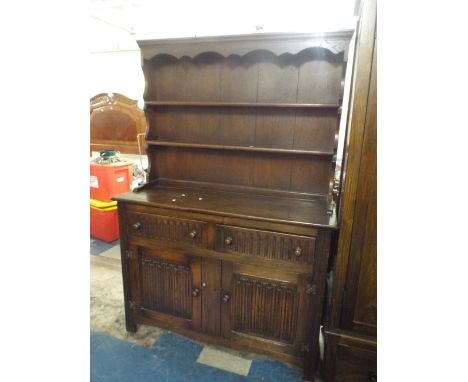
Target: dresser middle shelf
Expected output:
[238,148]
[245,104]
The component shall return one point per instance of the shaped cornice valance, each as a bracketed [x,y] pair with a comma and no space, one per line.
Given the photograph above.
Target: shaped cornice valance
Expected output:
[277,43]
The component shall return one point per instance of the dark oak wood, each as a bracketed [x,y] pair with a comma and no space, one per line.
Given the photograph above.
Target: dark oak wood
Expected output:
[116,122]
[244,104]
[237,215]
[126,271]
[211,294]
[273,246]
[255,296]
[262,170]
[237,148]
[277,43]
[349,357]
[351,325]
[292,211]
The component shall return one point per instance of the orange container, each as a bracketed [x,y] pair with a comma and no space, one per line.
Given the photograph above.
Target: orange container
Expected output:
[110,179]
[104,221]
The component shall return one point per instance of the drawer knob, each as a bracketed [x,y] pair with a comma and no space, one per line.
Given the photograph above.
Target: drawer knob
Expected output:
[228,240]
[226,298]
[195,292]
[136,226]
[193,234]
[298,251]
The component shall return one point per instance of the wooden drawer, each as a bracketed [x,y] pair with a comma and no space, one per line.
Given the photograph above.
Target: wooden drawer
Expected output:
[166,228]
[270,245]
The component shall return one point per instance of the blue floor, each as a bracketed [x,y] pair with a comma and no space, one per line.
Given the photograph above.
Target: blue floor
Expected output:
[171,359]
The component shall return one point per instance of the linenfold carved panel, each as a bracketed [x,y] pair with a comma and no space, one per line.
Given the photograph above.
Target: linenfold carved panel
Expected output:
[165,228]
[273,246]
[265,308]
[166,287]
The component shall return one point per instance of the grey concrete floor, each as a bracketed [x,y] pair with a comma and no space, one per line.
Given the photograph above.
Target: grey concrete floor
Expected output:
[107,305]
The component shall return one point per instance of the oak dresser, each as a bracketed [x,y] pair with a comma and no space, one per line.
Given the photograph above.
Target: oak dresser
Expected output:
[228,242]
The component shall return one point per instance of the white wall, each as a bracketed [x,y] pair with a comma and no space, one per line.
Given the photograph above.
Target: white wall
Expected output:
[117,72]
[115,61]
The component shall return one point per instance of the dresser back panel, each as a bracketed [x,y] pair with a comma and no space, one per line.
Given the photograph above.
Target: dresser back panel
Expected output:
[293,128]
[311,76]
[261,170]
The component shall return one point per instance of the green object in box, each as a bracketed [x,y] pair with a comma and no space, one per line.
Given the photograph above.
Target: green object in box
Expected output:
[107,157]
[107,153]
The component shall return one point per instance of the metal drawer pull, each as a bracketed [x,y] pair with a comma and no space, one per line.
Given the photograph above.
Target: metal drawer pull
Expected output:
[136,226]
[298,251]
[228,240]
[193,234]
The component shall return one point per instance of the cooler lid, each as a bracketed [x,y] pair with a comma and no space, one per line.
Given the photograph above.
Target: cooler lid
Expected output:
[102,205]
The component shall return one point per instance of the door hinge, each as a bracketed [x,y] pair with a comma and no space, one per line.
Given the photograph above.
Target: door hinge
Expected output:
[311,289]
[131,304]
[128,254]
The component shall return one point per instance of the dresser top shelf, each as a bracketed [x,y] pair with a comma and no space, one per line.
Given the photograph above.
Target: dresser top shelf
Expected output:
[280,209]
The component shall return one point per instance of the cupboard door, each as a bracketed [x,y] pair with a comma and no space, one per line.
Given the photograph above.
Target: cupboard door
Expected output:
[264,307]
[167,287]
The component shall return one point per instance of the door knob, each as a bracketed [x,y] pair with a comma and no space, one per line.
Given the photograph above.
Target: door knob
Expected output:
[193,234]
[228,240]
[226,298]
[298,251]
[195,292]
[136,226]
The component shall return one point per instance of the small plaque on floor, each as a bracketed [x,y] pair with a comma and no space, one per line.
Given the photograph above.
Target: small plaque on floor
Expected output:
[225,361]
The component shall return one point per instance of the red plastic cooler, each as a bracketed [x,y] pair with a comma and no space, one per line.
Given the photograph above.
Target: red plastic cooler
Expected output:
[108,180]
[104,220]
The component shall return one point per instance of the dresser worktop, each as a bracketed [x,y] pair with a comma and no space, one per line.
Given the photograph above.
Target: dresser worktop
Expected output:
[306,212]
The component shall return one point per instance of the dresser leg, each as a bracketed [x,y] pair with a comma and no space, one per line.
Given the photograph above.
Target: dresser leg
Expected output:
[131,327]
[130,324]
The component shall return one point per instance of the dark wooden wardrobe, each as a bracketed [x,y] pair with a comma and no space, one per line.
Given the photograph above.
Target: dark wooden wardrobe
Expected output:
[350,329]
[229,241]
